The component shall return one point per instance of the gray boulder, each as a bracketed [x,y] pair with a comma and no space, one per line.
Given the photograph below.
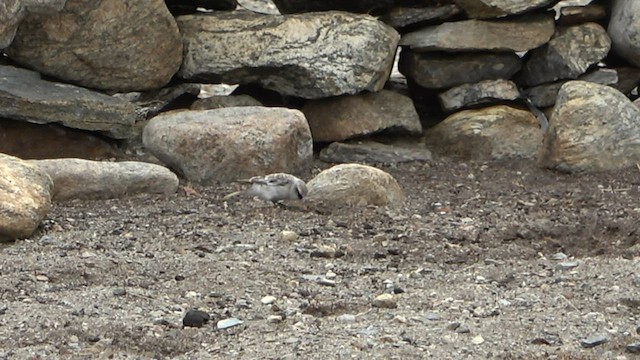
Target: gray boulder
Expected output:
[25,198]
[220,145]
[593,127]
[125,45]
[354,185]
[313,55]
[86,179]
[349,116]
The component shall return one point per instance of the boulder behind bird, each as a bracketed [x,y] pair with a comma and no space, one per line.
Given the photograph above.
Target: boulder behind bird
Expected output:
[273,187]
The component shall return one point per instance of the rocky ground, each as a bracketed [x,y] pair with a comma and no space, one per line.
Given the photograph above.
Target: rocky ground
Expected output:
[484,260]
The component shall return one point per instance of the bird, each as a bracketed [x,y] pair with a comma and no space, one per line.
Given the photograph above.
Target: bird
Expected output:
[273,187]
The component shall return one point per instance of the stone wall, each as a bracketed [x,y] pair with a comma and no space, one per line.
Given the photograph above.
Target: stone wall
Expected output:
[477,78]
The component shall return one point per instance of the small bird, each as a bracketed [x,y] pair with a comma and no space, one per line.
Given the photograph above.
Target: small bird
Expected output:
[273,187]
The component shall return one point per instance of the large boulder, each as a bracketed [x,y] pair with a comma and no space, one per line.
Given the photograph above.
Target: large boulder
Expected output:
[86,179]
[25,96]
[624,29]
[568,54]
[309,55]
[349,116]
[13,11]
[354,185]
[122,45]
[593,127]
[496,132]
[25,198]
[212,146]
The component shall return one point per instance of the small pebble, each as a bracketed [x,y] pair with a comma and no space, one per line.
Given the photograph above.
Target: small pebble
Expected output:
[386,301]
[288,235]
[346,318]
[326,282]
[463,329]
[268,300]
[227,323]
[593,341]
[432,316]
[566,265]
[477,340]
[324,251]
[119,292]
[634,348]
[275,318]
[42,278]
[195,318]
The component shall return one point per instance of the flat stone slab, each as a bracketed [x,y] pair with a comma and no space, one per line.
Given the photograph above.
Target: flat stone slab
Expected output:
[371,152]
[438,70]
[523,34]
[483,92]
[349,116]
[24,95]
[354,185]
[87,179]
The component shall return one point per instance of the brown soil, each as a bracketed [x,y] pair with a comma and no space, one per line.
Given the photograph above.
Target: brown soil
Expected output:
[473,256]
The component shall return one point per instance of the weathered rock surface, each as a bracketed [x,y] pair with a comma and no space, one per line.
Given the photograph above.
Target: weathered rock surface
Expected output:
[522,34]
[354,185]
[437,70]
[483,92]
[624,29]
[349,116]
[181,7]
[574,15]
[25,96]
[568,54]
[13,11]
[222,101]
[545,94]
[402,17]
[354,6]
[86,179]
[482,9]
[309,55]
[25,198]
[592,128]
[496,132]
[226,144]
[371,152]
[150,103]
[51,141]
[126,45]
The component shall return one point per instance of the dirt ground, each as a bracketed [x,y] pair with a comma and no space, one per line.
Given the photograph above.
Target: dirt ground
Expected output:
[486,260]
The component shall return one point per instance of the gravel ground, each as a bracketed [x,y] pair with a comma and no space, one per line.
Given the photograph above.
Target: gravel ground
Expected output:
[495,260]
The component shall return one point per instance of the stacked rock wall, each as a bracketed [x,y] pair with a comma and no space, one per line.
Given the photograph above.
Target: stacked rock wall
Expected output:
[110,66]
